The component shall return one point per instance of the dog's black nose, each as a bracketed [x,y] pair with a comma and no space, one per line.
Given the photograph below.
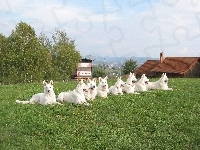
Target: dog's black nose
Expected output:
[48,91]
[93,86]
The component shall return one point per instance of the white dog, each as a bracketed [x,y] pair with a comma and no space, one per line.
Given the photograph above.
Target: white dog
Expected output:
[48,97]
[76,96]
[102,89]
[90,89]
[129,85]
[117,88]
[161,84]
[141,84]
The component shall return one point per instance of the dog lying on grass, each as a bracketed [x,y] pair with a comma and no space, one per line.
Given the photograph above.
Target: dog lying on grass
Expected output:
[129,85]
[161,84]
[102,89]
[141,84]
[117,88]
[90,89]
[48,97]
[76,96]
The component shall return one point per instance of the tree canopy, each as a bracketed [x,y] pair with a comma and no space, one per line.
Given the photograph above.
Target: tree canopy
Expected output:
[26,57]
[129,66]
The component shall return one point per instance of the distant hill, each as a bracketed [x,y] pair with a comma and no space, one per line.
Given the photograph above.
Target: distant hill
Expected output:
[118,60]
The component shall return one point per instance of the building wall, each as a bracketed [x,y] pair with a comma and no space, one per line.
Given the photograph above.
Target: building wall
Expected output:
[84,69]
[194,72]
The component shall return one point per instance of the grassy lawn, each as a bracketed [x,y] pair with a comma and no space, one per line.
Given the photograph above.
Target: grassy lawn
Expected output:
[150,120]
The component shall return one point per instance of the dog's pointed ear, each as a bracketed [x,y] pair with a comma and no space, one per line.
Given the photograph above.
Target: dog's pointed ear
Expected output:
[119,78]
[88,80]
[51,82]
[106,78]
[100,79]
[44,83]
[80,82]
[95,80]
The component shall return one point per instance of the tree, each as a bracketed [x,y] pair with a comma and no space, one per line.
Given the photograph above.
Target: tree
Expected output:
[129,66]
[98,71]
[64,54]
[4,60]
[26,57]
[30,61]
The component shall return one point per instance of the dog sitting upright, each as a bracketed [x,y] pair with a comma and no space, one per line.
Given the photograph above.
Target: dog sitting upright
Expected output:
[90,90]
[161,84]
[76,96]
[48,97]
[102,89]
[117,88]
[129,85]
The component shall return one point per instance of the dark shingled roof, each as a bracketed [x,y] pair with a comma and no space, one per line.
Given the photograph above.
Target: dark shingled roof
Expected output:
[147,67]
[178,65]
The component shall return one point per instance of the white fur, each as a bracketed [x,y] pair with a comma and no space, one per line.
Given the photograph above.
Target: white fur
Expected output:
[90,89]
[161,84]
[141,84]
[117,88]
[129,85]
[102,89]
[76,96]
[48,97]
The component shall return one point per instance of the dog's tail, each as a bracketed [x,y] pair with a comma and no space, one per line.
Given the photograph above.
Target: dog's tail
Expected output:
[22,102]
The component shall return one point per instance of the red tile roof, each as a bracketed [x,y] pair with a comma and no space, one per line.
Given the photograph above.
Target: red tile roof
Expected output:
[178,65]
[147,67]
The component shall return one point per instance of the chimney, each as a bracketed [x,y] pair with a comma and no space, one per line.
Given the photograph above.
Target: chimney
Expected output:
[161,57]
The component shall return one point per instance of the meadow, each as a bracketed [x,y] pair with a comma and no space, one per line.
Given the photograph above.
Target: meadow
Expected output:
[151,120]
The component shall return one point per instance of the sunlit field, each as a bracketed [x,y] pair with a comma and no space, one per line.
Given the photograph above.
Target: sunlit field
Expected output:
[150,120]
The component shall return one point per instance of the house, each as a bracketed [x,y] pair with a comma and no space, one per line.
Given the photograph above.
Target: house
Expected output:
[84,69]
[146,68]
[174,67]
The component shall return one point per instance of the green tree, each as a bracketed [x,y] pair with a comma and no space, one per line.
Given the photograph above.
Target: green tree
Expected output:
[64,53]
[4,59]
[98,71]
[129,66]
[30,60]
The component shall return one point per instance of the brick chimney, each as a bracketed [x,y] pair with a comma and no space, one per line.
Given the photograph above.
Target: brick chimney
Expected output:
[161,57]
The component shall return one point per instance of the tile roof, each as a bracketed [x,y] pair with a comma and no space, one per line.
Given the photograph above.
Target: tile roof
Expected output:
[178,65]
[147,67]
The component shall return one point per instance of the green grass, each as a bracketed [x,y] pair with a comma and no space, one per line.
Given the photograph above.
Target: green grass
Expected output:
[150,120]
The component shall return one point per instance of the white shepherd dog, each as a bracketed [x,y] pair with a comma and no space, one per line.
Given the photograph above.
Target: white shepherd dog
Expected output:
[129,85]
[102,89]
[90,89]
[76,96]
[141,84]
[48,97]
[161,84]
[117,88]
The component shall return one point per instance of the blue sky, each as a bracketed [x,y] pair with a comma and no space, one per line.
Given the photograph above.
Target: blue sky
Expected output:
[142,28]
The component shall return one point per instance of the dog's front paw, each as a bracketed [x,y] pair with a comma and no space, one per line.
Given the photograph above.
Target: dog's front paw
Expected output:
[86,104]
